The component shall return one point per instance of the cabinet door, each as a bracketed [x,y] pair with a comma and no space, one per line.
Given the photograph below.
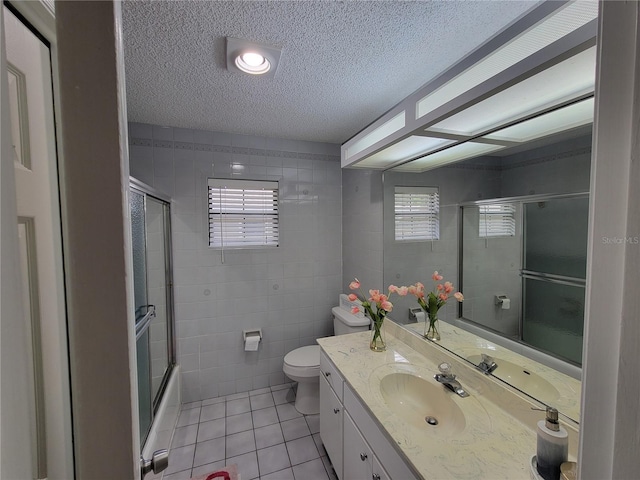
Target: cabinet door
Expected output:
[331,425]
[357,455]
[378,473]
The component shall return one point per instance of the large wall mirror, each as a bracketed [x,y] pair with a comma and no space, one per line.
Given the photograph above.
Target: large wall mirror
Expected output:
[510,231]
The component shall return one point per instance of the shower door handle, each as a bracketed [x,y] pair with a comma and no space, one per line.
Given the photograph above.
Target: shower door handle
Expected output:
[158,462]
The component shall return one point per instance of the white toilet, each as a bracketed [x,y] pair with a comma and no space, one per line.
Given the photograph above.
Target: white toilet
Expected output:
[302,365]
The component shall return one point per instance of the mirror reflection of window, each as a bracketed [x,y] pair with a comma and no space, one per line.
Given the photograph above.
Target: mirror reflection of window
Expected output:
[417,211]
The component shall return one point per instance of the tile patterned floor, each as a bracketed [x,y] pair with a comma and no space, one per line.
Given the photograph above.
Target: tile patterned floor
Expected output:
[260,431]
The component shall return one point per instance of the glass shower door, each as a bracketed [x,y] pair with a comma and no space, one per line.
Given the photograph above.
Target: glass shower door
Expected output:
[555,259]
[150,232]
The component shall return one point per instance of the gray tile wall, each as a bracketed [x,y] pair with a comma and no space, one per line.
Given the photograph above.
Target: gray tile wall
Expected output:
[287,291]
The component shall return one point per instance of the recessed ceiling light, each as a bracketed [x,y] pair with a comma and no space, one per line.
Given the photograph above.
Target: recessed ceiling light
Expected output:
[253,63]
[252,58]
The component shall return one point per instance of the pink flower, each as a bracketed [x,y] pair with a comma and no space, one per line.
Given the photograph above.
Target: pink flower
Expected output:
[419,286]
[402,291]
[448,287]
[443,297]
[459,296]
[440,287]
[393,289]
[436,276]
[355,284]
[352,297]
[386,305]
[355,310]
[375,295]
[411,289]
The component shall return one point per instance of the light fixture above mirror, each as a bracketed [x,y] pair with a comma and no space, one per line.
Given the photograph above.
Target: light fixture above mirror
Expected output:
[509,79]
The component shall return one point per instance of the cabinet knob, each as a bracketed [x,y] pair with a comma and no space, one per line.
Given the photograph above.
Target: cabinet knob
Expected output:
[363,456]
[375,476]
[336,410]
[327,374]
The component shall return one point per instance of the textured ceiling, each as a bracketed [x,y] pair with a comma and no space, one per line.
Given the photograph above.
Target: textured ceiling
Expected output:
[343,64]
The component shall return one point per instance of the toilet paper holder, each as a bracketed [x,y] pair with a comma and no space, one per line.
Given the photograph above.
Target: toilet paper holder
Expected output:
[251,333]
[503,302]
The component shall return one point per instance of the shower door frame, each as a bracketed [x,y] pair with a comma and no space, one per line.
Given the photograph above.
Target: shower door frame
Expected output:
[522,200]
[142,188]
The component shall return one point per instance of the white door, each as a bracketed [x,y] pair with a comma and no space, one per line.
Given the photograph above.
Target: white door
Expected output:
[35,359]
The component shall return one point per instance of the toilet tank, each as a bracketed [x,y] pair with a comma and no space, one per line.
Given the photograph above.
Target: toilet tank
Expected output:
[345,322]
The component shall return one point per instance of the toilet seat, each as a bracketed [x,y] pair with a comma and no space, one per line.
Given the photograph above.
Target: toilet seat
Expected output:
[303,361]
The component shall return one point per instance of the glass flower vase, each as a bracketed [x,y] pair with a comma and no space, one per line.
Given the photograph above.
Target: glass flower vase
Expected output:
[377,337]
[431,328]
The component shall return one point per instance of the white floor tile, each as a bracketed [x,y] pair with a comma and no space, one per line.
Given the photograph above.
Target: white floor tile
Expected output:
[211,430]
[296,428]
[266,416]
[287,411]
[189,417]
[184,436]
[211,401]
[272,459]
[212,412]
[302,450]
[236,407]
[314,422]
[286,474]
[259,391]
[318,442]
[261,401]
[208,468]
[283,386]
[247,465]
[180,458]
[313,470]
[268,436]
[209,451]
[190,405]
[240,443]
[236,396]
[183,475]
[283,396]
[239,423]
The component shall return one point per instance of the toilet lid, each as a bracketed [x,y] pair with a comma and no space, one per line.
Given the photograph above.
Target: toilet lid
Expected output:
[304,356]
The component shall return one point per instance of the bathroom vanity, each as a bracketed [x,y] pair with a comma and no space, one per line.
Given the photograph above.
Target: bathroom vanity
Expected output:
[384,416]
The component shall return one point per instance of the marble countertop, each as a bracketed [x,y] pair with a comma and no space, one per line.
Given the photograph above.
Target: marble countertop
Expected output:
[463,343]
[499,437]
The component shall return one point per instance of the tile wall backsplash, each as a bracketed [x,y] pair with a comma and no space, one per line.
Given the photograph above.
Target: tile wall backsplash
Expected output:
[287,291]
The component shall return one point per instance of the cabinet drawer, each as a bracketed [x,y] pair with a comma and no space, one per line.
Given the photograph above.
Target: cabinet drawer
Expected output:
[330,372]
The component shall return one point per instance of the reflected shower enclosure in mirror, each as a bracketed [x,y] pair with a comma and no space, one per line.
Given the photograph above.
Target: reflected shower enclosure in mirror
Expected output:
[541,176]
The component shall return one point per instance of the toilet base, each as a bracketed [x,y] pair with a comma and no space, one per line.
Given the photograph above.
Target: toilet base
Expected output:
[308,397]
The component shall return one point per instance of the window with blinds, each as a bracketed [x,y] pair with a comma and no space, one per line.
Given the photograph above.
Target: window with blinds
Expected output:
[417,213]
[243,213]
[497,220]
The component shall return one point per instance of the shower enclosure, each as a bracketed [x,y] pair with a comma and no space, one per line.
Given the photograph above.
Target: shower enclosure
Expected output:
[531,251]
[152,272]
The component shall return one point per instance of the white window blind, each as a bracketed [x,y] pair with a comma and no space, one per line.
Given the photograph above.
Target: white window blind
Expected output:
[243,213]
[417,213]
[497,220]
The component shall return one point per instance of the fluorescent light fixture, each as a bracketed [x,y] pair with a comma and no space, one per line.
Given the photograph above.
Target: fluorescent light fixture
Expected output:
[572,116]
[458,153]
[403,150]
[383,131]
[566,80]
[550,29]
[252,58]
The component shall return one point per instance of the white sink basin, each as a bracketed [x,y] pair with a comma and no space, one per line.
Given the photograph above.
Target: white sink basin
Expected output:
[411,396]
[521,378]
[422,402]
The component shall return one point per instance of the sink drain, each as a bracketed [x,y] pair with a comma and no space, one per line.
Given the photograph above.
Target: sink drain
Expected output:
[431,420]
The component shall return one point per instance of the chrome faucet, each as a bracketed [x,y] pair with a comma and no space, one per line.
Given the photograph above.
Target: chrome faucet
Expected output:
[448,379]
[487,365]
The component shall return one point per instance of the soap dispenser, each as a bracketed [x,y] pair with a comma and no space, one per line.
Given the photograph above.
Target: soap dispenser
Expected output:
[553,446]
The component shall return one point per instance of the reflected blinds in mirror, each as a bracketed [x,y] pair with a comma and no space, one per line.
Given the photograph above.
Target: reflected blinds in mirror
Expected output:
[497,220]
[416,213]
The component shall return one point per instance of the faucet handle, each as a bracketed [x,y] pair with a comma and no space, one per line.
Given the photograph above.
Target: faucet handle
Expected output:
[445,368]
[487,359]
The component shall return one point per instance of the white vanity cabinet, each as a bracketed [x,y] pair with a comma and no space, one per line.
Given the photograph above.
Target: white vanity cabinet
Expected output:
[331,413]
[359,461]
[357,447]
